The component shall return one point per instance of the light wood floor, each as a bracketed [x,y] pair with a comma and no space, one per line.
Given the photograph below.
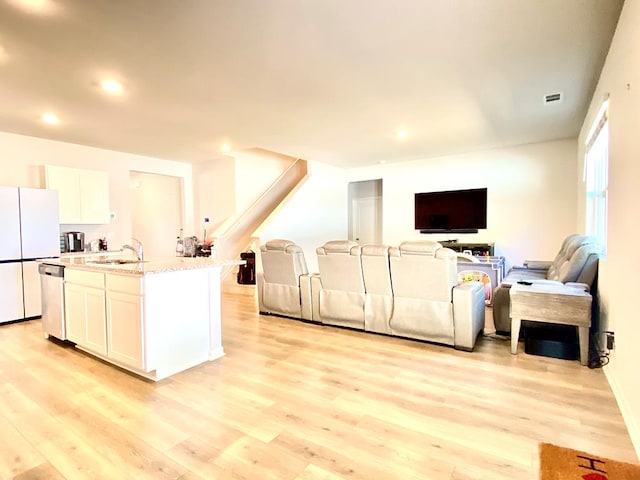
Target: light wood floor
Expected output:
[298,401]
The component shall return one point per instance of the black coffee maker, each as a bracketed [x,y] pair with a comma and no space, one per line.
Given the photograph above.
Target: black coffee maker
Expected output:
[73,241]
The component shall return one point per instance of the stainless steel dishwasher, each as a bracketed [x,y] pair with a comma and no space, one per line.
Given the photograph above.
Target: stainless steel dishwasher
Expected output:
[52,283]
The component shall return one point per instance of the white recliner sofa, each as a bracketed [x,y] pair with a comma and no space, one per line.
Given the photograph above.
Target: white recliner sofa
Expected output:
[410,291]
[284,286]
[378,301]
[428,303]
[338,294]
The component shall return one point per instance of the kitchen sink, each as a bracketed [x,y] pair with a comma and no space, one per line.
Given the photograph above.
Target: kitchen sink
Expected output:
[114,261]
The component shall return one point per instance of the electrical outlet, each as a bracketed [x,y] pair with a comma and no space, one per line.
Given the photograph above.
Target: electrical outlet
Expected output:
[610,341]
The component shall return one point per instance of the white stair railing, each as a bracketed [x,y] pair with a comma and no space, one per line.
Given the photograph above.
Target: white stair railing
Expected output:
[235,234]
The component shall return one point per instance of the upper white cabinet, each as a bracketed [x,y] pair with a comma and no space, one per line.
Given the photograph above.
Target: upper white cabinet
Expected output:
[83,194]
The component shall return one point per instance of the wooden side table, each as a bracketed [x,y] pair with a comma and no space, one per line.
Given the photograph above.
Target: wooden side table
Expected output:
[550,303]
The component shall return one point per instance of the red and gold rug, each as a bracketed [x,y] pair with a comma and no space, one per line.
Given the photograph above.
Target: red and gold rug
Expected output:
[559,463]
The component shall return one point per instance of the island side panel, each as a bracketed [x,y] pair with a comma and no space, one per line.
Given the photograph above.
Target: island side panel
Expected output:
[177,315]
[215,313]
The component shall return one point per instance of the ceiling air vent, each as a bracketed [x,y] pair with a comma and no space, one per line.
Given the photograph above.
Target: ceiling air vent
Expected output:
[553,98]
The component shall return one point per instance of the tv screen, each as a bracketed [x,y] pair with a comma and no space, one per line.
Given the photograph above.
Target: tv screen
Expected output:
[460,211]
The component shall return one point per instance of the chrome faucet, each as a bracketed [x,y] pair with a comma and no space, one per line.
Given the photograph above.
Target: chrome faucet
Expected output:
[138,249]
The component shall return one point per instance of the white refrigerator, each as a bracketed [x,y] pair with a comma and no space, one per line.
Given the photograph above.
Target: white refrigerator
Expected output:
[30,230]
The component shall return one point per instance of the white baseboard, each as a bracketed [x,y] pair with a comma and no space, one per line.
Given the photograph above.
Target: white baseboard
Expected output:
[630,417]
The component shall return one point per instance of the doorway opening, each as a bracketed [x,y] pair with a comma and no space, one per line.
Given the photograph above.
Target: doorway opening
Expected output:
[365,211]
[156,212]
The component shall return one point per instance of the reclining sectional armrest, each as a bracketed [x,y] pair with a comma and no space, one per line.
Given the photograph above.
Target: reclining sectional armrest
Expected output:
[550,283]
[508,282]
[305,296]
[584,286]
[468,314]
[316,286]
[537,264]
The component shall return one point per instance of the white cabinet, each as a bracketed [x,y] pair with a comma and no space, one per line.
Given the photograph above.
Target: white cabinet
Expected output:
[83,194]
[75,313]
[96,332]
[104,314]
[94,196]
[67,183]
[125,321]
[85,313]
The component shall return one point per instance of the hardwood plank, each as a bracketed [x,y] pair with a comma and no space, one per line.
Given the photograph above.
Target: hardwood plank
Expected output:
[115,444]
[64,449]
[198,457]
[16,453]
[293,400]
[344,464]
[313,472]
[45,471]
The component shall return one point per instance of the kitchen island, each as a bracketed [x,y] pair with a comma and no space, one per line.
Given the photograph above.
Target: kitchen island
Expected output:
[154,318]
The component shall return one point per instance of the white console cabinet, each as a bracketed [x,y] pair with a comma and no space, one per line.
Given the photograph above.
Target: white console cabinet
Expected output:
[83,194]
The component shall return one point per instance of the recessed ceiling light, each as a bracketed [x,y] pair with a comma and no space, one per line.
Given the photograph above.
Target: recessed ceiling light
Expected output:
[35,6]
[402,134]
[111,86]
[225,148]
[50,118]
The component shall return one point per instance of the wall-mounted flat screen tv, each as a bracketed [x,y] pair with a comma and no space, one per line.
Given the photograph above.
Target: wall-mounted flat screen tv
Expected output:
[455,211]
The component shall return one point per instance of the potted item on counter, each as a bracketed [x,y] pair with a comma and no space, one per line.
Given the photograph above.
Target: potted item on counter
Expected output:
[190,246]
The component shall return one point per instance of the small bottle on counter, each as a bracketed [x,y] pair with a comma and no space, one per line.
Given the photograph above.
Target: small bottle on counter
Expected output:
[179,245]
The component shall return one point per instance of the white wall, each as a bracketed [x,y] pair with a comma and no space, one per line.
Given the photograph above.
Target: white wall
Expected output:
[316,213]
[255,172]
[22,159]
[215,192]
[531,202]
[618,292]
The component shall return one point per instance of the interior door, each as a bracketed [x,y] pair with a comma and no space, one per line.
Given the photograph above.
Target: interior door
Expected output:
[156,212]
[366,220]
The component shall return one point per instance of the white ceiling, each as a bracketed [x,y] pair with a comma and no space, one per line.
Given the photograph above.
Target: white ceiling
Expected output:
[323,80]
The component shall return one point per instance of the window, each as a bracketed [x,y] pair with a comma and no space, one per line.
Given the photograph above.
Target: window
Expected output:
[596,177]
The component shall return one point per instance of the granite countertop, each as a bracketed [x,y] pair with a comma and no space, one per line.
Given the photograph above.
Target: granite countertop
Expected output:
[154,265]
[101,253]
